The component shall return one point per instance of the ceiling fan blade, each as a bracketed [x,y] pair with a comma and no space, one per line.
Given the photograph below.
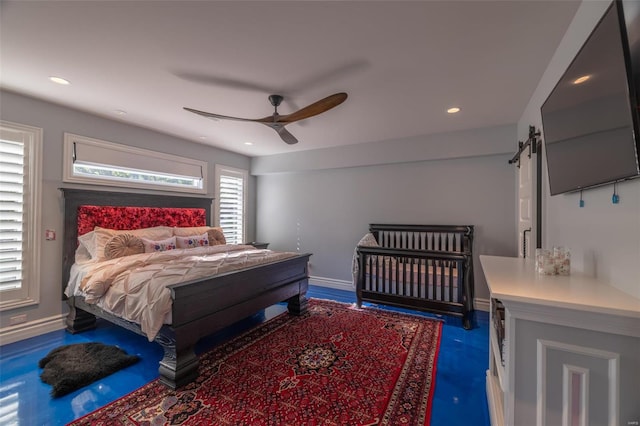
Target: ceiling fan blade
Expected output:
[315,108]
[220,117]
[286,136]
[284,133]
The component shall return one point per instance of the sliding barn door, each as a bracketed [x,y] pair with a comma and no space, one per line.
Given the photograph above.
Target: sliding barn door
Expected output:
[526,202]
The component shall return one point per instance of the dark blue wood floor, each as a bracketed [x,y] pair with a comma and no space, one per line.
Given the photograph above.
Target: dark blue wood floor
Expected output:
[459,397]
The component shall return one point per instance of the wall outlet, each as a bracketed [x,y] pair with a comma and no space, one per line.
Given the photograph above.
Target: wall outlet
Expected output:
[18,319]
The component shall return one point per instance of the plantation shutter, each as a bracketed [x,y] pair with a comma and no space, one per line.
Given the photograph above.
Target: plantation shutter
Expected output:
[12,188]
[231,201]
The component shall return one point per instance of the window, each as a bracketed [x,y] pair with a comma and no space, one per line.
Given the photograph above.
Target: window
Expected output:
[230,202]
[99,162]
[20,165]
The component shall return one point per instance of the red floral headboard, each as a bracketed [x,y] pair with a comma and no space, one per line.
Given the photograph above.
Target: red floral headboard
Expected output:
[113,217]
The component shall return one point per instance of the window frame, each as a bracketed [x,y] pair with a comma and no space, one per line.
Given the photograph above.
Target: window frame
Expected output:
[222,170]
[29,291]
[119,149]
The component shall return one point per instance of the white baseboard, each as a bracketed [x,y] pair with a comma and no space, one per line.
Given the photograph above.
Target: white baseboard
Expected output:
[331,283]
[479,304]
[30,329]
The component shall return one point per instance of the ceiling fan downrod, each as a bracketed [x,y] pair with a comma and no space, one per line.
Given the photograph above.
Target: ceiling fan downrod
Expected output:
[275,100]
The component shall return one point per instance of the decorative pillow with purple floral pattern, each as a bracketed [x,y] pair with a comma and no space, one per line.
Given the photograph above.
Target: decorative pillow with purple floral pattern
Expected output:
[193,241]
[151,246]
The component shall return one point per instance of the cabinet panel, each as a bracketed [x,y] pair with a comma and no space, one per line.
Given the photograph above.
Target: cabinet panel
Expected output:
[571,349]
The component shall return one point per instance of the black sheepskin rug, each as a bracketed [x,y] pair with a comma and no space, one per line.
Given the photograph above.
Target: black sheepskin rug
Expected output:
[71,367]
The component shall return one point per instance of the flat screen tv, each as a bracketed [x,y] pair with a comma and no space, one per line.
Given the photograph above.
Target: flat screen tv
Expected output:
[591,118]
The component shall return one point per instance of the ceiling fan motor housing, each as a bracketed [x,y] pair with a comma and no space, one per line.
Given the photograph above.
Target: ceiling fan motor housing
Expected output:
[275,100]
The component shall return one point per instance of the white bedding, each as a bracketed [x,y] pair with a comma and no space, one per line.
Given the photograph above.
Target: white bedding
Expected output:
[135,287]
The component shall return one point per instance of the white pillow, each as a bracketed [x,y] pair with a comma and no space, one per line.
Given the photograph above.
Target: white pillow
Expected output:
[188,231]
[201,240]
[151,246]
[86,246]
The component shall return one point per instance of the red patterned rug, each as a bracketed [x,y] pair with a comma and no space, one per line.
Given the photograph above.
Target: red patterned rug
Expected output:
[334,365]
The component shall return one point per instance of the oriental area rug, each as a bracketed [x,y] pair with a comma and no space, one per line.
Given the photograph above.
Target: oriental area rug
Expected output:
[334,365]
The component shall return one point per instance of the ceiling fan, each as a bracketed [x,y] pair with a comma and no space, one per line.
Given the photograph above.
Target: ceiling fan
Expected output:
[277,121]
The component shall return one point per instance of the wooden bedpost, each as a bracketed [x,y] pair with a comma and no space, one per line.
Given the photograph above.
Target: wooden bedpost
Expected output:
[298,304]
[179,366]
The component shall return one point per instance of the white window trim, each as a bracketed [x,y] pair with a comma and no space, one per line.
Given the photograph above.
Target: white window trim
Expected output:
[221,170]
[29,292]
[68,175]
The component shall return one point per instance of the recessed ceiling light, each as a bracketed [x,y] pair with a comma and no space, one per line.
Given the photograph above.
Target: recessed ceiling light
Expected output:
[453,110]
[60,80]
[203,138]
[248,143]
[120,112]
[581,79]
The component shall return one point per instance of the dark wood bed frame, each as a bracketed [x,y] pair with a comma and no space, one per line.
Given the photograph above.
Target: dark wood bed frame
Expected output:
[446,247]
[200,307]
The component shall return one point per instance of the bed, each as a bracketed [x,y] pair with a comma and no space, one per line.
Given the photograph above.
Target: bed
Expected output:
[198,307]
[423,267]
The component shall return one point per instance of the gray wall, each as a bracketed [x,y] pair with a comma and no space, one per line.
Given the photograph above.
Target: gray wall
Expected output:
[55,120]
[604,238]
[326,209]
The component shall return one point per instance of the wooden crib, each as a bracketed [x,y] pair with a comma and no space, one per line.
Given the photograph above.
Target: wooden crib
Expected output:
[423,267]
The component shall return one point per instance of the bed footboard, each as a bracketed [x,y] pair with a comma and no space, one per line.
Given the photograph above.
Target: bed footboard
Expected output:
[204,307]
[423,267]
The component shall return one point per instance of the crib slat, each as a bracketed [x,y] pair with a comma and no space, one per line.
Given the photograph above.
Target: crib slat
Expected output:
[414,289]
[386,284]
[372,274]
[378,278]
[367,277]
[404,275]
[398,266]
[420,292]
[442,265]
[410,276]
[451,281]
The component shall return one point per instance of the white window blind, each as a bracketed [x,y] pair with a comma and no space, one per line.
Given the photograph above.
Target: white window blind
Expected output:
[12,190]
[89,160]
[20,165]
[230,202]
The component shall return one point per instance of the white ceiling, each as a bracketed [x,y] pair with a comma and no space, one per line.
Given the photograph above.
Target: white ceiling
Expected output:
[402,64]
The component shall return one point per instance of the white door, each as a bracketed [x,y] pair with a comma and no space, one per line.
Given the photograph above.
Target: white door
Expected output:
[526,203]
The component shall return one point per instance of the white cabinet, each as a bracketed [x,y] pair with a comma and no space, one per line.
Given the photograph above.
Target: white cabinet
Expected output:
[570,352]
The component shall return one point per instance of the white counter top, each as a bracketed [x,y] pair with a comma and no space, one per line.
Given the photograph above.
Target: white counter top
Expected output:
[515,279]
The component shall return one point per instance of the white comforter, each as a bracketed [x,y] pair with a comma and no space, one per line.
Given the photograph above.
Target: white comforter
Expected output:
[135,287]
